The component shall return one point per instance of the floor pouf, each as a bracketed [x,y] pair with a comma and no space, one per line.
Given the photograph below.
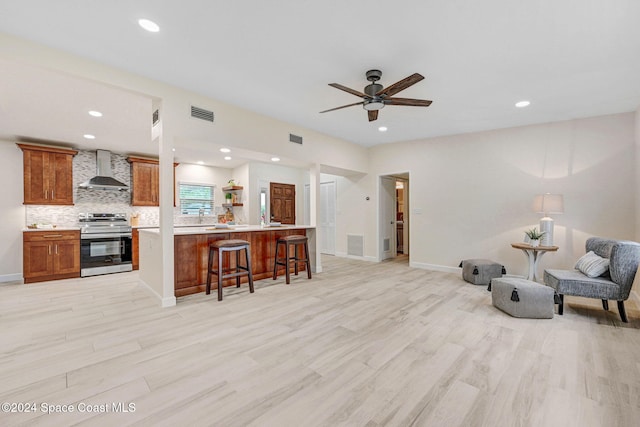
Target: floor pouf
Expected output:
[481,271]
[522,298]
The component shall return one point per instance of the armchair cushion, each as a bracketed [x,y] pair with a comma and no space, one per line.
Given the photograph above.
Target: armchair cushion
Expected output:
[574,282]
[592,265]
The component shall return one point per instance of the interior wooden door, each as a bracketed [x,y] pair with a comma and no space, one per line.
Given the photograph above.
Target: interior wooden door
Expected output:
[283,203]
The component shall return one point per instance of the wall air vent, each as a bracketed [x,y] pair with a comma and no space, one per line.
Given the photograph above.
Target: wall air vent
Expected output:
[156,117]
[355,244]
[295,139]
[202,114]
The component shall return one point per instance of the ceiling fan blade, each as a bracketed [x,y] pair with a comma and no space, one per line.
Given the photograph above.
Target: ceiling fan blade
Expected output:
[351,91]
[407,101]
[373,115]
[401,85]
[344,106]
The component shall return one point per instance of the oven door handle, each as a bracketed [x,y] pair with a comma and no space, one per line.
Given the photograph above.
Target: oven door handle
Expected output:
[88,236]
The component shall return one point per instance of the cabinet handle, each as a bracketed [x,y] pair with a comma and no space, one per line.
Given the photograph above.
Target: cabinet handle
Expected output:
[49,249]
[56,249]
[52,195]
[51,236]
[46,194]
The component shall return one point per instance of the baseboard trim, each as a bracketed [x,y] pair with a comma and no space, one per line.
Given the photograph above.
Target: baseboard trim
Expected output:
[164,301]
[435,267]
[10,277]
[361,258]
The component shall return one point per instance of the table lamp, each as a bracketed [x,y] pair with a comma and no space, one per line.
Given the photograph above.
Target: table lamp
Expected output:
[548,204]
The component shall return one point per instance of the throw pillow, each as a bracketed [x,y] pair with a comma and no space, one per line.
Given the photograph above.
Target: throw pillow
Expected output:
[592,265]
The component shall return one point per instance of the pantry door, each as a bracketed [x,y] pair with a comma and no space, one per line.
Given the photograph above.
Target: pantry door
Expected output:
[283,203]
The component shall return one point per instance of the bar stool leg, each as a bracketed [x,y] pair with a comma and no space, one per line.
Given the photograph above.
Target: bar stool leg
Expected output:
[246,251]
[220,273]
[210,264]
[296,259]
[306,254]
[275,263]
[286,263]
[238,268]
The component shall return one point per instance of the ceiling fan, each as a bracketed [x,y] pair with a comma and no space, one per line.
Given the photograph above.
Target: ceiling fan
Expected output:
[375,96]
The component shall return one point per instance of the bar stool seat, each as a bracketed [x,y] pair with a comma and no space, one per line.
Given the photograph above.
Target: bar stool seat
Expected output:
[288,241]
[229,245]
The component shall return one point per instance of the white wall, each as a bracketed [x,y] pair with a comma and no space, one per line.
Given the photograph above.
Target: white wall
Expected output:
[12,212]
[471,194]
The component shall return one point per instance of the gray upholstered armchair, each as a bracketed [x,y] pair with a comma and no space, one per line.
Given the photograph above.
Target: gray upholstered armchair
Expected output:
[623,256]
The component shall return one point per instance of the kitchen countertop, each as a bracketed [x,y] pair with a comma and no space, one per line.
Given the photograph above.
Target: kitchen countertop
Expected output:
[52,229]
[209,229]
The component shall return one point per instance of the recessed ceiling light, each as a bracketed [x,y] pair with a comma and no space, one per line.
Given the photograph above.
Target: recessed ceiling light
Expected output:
[275,159]
[89,136]
[382,128]
[200,162]
[227,157]
[225,150]
[148,25]
[173,149]
[95,113]
[522,104]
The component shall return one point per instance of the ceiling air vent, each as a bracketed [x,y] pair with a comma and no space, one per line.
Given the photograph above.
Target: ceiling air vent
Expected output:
[295,139]
[156,117]
[202,114]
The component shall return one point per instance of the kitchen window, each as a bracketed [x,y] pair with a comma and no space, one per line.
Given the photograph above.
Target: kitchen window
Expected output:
[196,198]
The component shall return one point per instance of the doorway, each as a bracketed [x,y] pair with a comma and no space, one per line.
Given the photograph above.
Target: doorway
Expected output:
[282,203]
[327,218]
[393,218]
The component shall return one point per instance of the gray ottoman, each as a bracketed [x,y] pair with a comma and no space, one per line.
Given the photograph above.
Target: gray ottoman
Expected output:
[481,271]
[522,298]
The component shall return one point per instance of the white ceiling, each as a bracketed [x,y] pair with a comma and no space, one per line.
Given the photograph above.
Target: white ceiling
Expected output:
[570,58]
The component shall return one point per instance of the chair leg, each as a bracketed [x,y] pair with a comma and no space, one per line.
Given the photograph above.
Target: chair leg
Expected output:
[275,263]
[605,304]
[623,313]
[237,268]
[295,248]
[561,305]
[286,263]
[246,251]
[220,272]
[210,265]
[306,256]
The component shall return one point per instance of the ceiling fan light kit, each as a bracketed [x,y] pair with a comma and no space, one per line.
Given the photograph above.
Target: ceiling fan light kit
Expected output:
[375,96]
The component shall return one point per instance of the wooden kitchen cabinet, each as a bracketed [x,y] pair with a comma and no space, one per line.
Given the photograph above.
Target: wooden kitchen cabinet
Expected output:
[145,181]
[50,255]
[48,175]
[145,178]
[135,249]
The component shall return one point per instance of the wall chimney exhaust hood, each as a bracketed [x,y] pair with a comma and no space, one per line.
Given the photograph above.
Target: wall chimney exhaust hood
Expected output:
[104,179]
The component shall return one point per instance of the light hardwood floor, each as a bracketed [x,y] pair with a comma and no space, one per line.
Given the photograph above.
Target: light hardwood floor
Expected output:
[361,344]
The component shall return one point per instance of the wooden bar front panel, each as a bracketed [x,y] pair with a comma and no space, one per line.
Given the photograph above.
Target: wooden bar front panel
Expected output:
[192,255]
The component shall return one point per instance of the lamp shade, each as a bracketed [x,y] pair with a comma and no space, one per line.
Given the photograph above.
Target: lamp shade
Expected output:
[548,203]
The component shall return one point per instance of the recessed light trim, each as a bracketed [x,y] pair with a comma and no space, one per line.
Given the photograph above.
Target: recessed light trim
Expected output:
[522,104]
[275,159]
[89,136]
[225,150]
[200,162]
[382,129]
[149,25]
[227,157]
[95,113]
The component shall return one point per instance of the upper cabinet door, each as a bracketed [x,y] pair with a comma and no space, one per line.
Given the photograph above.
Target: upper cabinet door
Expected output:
[145,176]
[48,175]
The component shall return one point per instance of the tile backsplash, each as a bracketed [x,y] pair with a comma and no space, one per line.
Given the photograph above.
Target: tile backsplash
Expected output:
[90,200]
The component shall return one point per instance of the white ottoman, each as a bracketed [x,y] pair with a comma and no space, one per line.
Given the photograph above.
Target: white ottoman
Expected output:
[522,298]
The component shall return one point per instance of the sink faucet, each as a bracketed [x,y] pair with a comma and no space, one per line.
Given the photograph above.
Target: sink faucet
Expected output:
[200,215]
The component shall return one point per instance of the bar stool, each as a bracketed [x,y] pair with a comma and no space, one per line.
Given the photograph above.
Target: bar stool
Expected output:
[295,241]
[232,245]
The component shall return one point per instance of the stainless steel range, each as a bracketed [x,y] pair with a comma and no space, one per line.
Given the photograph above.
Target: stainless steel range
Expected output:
[105,243]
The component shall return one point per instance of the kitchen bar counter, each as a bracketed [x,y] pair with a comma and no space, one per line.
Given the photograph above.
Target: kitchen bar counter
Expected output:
[191,249]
